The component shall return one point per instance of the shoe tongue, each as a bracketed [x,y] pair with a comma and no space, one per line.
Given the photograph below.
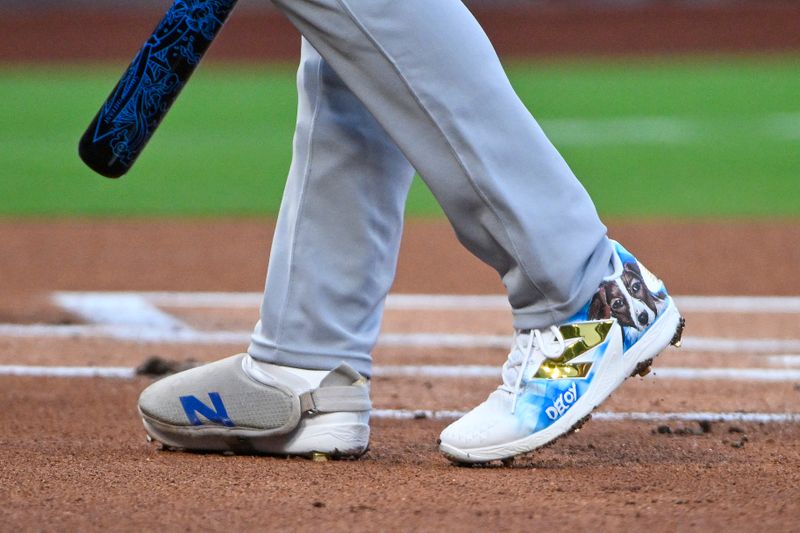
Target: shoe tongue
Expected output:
[511,372]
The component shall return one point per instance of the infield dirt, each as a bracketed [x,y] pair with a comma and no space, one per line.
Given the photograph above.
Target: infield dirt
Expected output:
[74,456]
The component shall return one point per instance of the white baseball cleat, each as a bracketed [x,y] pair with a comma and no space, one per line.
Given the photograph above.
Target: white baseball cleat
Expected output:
[553,379]
[243,406]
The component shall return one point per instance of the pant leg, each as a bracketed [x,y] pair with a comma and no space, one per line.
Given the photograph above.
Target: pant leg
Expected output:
[427,72]
[338,233]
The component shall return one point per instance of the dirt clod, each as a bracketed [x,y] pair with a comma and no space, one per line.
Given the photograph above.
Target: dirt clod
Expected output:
[664,429]
[156,366]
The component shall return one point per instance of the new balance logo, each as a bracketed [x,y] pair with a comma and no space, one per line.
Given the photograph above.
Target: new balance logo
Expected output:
[216,413]
[563,402]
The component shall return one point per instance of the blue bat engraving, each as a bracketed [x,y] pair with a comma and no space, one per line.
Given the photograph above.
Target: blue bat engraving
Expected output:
[156,76]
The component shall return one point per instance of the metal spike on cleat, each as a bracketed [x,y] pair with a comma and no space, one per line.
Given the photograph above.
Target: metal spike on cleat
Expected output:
[643,368]
[319,457]
[676,339]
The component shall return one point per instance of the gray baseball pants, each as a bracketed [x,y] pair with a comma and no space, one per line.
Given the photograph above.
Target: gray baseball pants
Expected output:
[385,87]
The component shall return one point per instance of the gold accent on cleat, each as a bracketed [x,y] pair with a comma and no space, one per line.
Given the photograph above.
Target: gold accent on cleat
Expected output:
[644,371]
[319,457]
[590,335]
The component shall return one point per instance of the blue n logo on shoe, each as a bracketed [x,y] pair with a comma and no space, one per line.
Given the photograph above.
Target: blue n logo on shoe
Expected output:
[216,413]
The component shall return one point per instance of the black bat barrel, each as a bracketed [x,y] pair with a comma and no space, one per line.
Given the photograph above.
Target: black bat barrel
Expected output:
[147,90]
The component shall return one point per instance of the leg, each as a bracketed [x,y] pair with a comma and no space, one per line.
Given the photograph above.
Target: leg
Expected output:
[428,75]
[335,248]
[333,260]
[427,72]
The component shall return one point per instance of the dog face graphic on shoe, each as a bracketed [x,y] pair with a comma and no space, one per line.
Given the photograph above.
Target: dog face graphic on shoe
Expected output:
[629,299]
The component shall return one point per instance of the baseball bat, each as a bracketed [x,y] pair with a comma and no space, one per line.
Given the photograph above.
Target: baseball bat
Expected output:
[150,85]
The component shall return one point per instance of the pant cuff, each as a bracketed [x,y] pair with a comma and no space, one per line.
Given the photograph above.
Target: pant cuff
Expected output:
[541,315]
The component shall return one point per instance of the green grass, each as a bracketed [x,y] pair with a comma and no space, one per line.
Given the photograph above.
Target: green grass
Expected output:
[678,137]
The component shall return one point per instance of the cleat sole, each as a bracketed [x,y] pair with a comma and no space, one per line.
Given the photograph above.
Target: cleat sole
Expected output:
[331,440]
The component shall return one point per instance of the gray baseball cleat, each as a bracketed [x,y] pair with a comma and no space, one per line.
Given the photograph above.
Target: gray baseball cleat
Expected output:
[244,406]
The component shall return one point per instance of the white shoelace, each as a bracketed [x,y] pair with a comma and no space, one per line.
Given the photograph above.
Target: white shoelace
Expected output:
[527,349]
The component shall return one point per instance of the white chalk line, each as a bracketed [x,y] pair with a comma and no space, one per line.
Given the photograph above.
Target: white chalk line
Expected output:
[114,372]
[738,304]
[178,335]
[117,309]
[683,373]
[739,346]
[613,416]
[409,414]
[784,360]
[444,302]
[138,334]
[436,371]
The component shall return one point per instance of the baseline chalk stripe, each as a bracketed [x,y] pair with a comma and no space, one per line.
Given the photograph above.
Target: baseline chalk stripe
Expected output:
[252,300]
[138,334]
[738,304]
[784,360]
[779,418]
[612,416]
[407,414]
[195,300]
[185,335]
[117,309]
[727,374]
[439,371]
[684,373]
[116,372]
[745,346]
